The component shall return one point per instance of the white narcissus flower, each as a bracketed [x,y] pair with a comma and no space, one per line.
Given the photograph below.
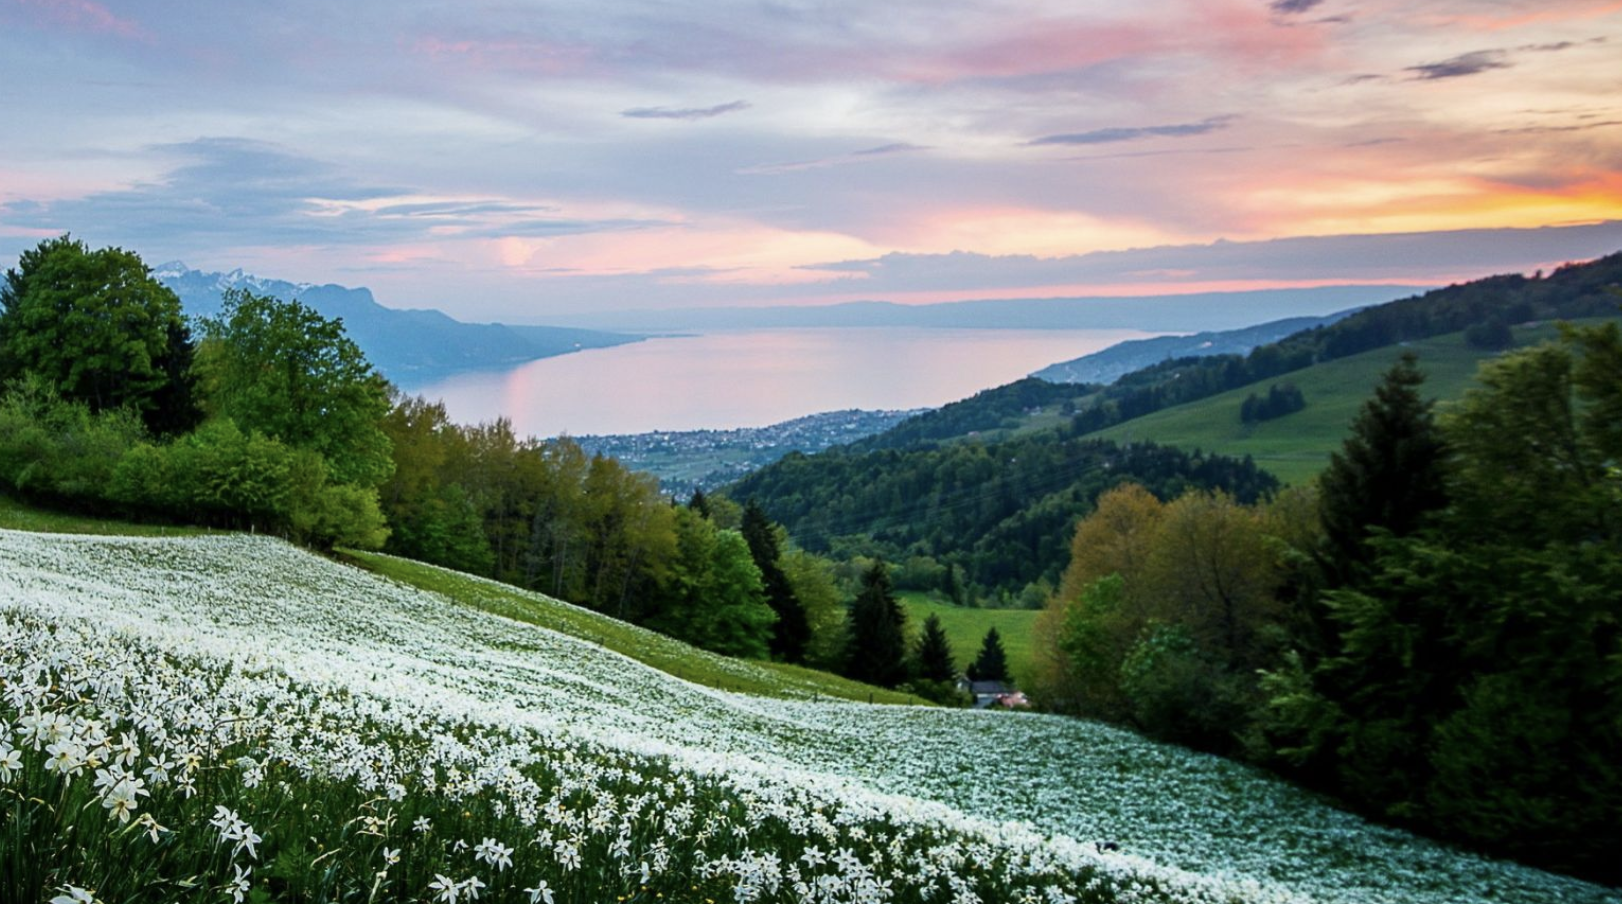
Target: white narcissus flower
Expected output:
[446,888]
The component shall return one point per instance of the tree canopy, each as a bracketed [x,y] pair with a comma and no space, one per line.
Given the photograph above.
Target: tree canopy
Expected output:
[281,368]
[99,329]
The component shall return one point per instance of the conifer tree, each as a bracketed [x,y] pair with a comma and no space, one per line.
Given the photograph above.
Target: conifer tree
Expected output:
[878,648]
[992,663]
[935,661]
[950,585]
[792,631]
[1388,474]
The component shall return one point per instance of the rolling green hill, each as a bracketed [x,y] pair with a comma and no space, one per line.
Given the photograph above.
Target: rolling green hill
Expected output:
[1297,446]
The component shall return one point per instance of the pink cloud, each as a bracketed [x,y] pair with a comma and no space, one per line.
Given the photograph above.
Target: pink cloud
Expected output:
[1237,33]
[88,15]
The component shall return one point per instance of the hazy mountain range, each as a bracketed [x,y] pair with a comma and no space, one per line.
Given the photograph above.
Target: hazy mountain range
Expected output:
[410,347]
[413,347]
[1162,313]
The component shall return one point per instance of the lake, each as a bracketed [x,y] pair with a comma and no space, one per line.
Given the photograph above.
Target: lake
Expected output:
[751,378]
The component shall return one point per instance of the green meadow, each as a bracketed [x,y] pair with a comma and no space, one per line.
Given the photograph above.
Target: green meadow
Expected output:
[966,628]
[1297,446]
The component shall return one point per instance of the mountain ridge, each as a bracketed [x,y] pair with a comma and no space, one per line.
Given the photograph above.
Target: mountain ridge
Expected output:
[410,346]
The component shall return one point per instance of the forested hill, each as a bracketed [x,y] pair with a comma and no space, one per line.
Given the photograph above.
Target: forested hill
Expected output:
[1483,308]
[1001,512]
[953,483]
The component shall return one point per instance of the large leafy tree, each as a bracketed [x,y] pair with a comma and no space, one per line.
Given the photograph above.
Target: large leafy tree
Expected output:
[282,369]
[714,597]
[99,329]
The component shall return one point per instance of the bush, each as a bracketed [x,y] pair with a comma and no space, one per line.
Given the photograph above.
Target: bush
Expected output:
[57,450]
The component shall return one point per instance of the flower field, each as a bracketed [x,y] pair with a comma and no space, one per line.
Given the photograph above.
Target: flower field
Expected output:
[230,719]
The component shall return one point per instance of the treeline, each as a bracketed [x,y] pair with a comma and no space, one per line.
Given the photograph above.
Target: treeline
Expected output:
[274,421]
[1280,399]
[269,423]
[1433,632]
[985,411]
[991,518]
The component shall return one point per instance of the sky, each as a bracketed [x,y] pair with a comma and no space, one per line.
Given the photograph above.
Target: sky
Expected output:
[521,160]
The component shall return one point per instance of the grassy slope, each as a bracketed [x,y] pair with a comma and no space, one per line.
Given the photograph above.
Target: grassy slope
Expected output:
[17,516]
[1296,447]
[966,628]
[698,666]
[772,679]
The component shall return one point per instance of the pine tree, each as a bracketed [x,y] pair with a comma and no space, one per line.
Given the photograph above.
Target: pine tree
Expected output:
[1388,474]
[934,658]
[950,586]
[992,663]
[700,504]
[792,631]
[878,648]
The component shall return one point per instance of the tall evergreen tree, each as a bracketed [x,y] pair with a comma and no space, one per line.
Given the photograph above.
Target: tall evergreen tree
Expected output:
[935,661]
[878,647]
[1389,474]
[699,504]
[950,586]
[992,662]
[792,631]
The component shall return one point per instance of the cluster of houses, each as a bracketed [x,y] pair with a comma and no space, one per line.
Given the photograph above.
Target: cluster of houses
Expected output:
[988,694]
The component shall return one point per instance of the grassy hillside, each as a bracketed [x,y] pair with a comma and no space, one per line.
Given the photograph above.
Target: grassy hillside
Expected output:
[771,679]
[274,726]
[966,628]
[1297,446]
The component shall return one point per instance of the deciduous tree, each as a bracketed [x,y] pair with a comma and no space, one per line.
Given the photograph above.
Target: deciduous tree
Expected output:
[100,330]
[282,369]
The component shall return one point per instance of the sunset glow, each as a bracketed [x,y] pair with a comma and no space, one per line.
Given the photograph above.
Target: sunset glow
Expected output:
[516,163]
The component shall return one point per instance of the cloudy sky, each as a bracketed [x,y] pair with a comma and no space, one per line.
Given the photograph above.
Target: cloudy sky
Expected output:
[516,160]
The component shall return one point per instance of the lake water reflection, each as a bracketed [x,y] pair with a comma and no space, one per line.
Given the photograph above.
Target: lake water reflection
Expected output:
[751,378]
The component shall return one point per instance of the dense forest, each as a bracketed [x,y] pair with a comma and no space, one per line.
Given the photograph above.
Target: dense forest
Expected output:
[998,513]
[1432,633]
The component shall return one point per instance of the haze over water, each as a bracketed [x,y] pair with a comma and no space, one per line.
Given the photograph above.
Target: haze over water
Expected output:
[751,378]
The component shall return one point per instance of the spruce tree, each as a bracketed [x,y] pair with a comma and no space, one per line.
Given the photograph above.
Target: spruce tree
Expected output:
[792,631]
[950,586]
[878,647]
[701,505]
[992,663]
[935,661]
[1388,474]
